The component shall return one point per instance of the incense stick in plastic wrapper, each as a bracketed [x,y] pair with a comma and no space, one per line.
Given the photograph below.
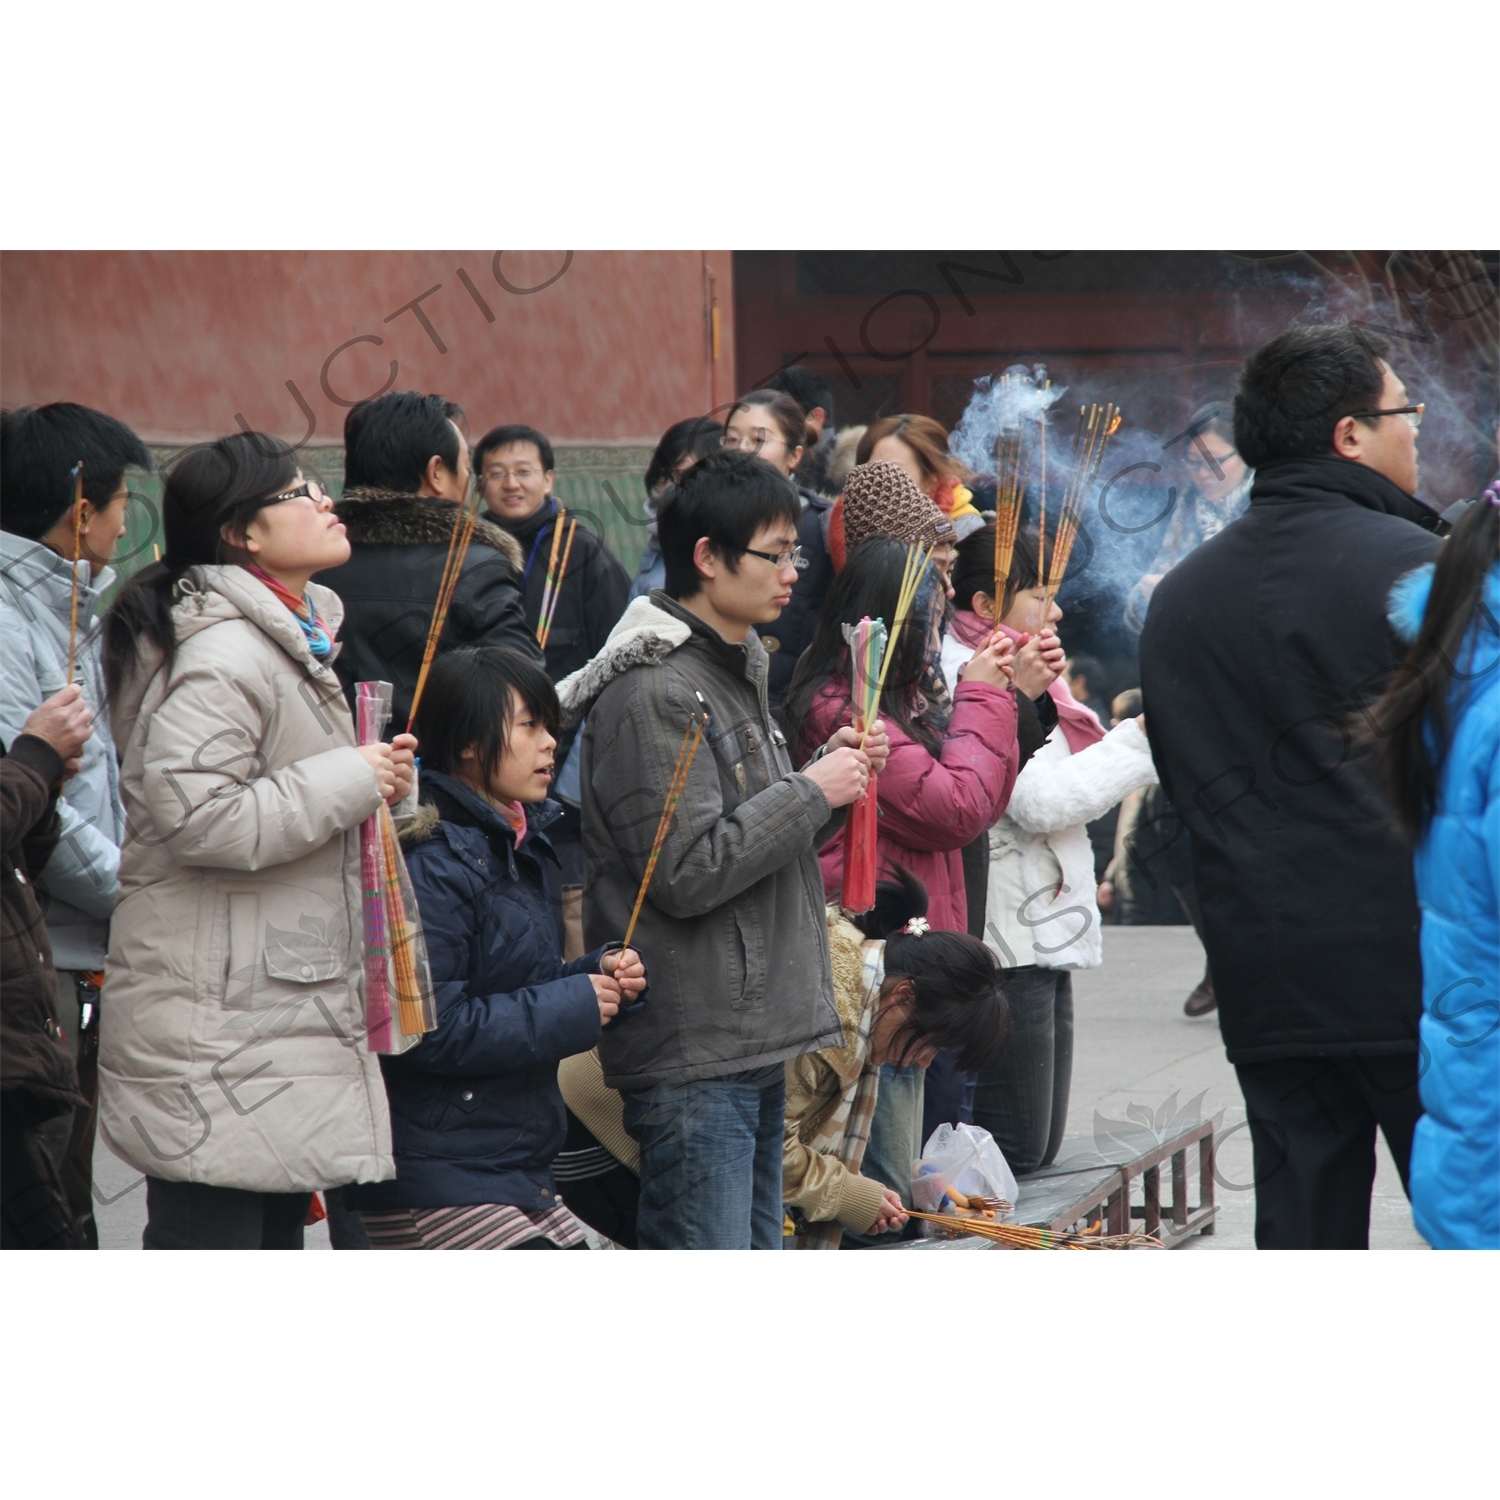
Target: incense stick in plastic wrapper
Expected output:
[867,642]
[399,1005]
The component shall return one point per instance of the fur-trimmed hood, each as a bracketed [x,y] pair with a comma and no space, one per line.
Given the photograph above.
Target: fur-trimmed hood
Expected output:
[645,634]
[388,518]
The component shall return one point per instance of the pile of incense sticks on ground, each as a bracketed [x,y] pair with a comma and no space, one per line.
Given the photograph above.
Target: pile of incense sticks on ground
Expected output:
[1029,1237]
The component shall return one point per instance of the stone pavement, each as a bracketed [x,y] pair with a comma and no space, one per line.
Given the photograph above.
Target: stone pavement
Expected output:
[1133,1047]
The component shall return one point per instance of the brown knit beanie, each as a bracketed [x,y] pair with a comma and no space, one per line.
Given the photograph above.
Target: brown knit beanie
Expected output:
[880,499]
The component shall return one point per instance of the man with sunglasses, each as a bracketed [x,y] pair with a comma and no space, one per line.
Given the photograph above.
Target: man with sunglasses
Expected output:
[1260,658]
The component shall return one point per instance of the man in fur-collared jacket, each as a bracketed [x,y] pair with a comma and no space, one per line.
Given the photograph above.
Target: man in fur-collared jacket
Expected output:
[406,470]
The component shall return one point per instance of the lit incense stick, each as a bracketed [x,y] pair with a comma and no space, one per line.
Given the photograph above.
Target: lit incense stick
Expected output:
[675,788]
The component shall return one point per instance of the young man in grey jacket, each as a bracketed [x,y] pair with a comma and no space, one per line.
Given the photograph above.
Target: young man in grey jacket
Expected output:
[733,928]
[46,537]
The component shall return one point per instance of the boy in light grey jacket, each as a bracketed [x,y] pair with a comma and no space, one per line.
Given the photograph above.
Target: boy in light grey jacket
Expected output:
[45,538]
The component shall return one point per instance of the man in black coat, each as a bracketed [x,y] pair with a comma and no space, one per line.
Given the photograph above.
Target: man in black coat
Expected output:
[406,470]
[1260,659]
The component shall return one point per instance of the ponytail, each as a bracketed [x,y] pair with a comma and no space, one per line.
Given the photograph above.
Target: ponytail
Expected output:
[1418,704]
[957,1002]
[212,489]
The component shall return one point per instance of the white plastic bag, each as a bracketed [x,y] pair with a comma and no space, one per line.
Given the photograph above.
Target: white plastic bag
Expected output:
[964,1157]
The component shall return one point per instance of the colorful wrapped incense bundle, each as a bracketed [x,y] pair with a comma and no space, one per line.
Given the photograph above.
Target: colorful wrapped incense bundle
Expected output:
[1096,426]
[867,649]
[453,567]
[555,574]
[675,787]
[399,1002]
[1029,1237]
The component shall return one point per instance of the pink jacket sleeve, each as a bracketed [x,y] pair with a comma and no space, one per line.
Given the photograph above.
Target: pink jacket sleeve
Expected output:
[945,803]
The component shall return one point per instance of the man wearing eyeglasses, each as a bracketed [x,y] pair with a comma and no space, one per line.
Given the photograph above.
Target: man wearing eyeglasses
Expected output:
[1260,658]
[585,590]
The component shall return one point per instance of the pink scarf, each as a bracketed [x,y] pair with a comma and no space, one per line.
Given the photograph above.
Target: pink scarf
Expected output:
[1080,726]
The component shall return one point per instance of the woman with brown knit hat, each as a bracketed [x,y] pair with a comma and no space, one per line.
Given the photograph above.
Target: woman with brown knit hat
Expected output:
[920,446]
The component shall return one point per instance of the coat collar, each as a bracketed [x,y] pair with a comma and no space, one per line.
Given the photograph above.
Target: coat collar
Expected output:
[459,805]
[745,658]
[1298,480]
[226,592]
[36,571]
[387,518]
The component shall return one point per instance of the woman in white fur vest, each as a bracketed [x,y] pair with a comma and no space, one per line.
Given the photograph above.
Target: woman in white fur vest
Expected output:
[1041,917]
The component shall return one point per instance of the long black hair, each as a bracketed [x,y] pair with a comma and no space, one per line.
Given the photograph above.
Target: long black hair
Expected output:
[957,1003]
[869,585]
[212,489]
[1445,652]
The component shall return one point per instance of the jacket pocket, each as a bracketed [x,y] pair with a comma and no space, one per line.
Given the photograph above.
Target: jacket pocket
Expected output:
[745,941]
[242,963]
[264,958]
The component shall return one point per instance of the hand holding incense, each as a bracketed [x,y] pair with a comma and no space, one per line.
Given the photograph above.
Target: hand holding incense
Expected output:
[675,788]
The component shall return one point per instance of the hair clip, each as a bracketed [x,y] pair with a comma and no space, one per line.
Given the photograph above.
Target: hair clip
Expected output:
[917,927]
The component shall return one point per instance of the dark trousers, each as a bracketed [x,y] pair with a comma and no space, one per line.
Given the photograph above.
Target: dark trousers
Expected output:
[70,1138]
[947,1096]
[1022,1096]
[1312,1129]
[196,1216]
[34,1211]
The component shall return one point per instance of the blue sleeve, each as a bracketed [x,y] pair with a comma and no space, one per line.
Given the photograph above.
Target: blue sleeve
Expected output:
[485,1035]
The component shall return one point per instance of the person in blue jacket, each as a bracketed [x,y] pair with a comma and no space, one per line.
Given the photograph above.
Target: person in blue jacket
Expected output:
[476,1114]
[1439,732]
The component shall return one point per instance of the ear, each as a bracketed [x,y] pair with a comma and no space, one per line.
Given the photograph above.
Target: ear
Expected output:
[549,477]
[432,475]
[243,543]
[704,559]
[818,417]
[1347,438]
[983,605]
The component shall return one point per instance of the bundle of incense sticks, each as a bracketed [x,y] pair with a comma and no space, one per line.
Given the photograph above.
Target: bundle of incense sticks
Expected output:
[675,788]
[918,560]
[1029,1237]
[555,575]
[1096,426]
[453,567]
[77,477]
[1014,448]
[867,652]
[395,953]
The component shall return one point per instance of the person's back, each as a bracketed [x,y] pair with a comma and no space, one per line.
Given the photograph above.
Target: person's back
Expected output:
[406,468]
[1260,650]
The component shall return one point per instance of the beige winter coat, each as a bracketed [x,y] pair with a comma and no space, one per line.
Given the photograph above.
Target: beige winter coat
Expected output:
[231,1048]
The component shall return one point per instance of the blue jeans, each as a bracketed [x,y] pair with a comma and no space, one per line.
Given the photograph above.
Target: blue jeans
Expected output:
[710,1161]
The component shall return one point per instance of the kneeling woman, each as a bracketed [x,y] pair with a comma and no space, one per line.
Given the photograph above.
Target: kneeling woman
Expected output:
[475,1109]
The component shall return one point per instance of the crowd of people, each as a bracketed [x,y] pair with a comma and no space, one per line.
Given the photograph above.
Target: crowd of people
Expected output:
[1308,771]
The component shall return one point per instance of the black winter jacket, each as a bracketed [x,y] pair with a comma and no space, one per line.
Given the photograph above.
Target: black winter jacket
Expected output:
[791,633]
[37,1070]
[390,584]
[476,1115]
[1263,652]
[593,595]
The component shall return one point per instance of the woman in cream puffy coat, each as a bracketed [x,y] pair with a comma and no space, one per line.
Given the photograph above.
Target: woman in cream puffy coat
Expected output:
[1041,917]
[233,1071]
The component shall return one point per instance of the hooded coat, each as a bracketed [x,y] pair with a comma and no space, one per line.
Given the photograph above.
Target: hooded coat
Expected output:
[1455,1156]
[231,1047]
[475,1107]
[1261,649]
[389,588]
[732,927]
[81,880]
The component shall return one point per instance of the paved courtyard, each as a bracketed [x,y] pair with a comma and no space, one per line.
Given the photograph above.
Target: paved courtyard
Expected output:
[1134,1048]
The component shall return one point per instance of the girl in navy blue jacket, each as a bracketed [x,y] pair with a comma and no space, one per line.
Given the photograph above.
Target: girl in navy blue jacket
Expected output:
[1438,728]
[476,1114]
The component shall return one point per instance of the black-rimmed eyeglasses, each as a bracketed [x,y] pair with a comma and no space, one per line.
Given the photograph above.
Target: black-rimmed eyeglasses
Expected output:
[1413,414]
[780,560]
